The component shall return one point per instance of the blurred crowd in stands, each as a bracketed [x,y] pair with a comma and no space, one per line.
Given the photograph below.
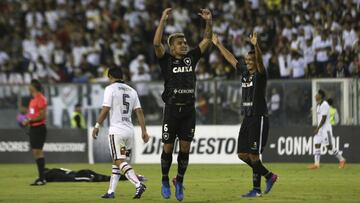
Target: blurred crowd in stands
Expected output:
[60,41]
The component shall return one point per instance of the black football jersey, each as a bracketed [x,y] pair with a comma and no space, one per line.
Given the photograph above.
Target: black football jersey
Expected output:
[179,77]
[253,92]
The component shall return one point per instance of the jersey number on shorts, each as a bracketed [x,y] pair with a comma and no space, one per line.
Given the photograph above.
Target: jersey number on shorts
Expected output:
[126,104]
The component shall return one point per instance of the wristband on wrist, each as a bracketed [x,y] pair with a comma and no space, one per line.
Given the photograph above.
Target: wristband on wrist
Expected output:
[97,125]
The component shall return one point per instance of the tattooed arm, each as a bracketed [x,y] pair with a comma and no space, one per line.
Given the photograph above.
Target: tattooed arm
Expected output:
[206,15]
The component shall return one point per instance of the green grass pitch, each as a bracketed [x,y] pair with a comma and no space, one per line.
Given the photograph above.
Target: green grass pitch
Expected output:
[203,183]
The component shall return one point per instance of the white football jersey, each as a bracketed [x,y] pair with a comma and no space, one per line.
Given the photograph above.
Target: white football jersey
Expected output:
[122,100]
[323,109]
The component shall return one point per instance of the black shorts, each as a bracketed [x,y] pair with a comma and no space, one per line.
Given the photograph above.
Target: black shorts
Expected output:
[178,121]
[253,134]
[37,136]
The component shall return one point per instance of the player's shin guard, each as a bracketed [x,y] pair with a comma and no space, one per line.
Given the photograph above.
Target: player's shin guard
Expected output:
[114,179]
[183,161]
[166,160]
[40,162]
[317,156]
[256,181]
[259,168]
[256,176]
[127,170]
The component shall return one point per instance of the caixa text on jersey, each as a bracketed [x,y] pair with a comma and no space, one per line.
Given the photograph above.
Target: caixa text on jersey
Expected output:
[182,69]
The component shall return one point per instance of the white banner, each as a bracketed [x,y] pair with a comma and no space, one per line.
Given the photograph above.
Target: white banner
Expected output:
[211,145]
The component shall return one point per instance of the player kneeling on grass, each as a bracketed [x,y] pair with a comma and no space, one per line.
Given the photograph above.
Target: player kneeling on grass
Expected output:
[323,132]
[120,100]
[255,126]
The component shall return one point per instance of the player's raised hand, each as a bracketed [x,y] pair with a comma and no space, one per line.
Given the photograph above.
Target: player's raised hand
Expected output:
[95,133]
[205,14]
[145,137]
[215,39]
[166,13]
[253,38]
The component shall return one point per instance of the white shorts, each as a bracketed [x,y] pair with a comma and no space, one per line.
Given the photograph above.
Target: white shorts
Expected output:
[324,137]
[119,144]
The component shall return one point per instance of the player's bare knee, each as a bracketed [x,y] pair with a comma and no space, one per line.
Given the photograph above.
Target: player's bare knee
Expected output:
[254,157]
[243,156]
[185,146]
[33,151]
[168,148]
[37,153]
[117,162]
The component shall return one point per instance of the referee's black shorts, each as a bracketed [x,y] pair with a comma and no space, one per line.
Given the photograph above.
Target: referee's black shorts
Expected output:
[37,136]
[253,134]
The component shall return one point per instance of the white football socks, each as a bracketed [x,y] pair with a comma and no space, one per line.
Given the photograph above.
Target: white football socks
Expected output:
[338,155]
[127,170]
[114,179]
[317,156]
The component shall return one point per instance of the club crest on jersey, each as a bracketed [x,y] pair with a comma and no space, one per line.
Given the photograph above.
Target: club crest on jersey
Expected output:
[165,136]
[187,61]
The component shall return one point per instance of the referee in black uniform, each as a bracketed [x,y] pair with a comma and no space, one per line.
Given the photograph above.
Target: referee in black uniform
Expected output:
[178,70]
[255,126]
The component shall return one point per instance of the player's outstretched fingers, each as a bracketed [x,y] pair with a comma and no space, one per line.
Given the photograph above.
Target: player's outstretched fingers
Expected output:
[166,13]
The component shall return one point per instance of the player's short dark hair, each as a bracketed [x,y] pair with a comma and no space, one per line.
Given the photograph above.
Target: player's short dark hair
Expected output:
[78,105]
[115,73]
[330,101]
[174,36]
[36,84]
[321,93]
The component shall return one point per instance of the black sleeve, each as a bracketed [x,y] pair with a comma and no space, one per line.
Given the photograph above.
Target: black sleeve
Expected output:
[163,60]
[195,54]
[163,57]
[241,66]
[77,120]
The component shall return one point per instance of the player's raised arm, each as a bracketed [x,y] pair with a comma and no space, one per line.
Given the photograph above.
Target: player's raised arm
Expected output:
[226,53]
[140,116]
[159,47]
[206,15]
[258,55]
